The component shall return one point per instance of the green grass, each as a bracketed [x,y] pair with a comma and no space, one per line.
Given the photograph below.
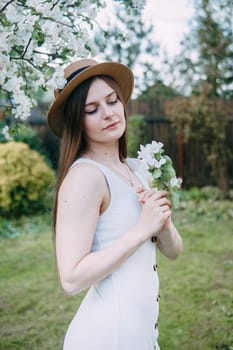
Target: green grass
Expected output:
[196,290]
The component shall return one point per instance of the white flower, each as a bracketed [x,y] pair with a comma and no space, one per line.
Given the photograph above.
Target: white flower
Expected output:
[156,146]
[5,132]
[57,81]
[60,82]
[13,83]
[38,59]
[149,150]
[175,182]
[62,24]
[163,177]
[148,155]
[144,152]
[12,14]
[159,163]
[140,4]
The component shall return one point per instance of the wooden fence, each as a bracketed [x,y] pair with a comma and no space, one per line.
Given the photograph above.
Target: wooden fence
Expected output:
[188,157]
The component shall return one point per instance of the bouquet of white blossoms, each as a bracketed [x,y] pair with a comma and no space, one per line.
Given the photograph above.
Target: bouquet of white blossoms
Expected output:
[161,170]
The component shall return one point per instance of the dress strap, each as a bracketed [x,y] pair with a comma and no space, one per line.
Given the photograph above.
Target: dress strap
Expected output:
[90,161]
[133,163]
[98,165]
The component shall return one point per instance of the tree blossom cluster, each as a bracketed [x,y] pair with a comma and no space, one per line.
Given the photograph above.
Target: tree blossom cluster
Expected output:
[37,37]
[160,169]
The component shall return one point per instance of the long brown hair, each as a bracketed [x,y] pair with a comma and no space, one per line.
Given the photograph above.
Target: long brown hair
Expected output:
[74,140]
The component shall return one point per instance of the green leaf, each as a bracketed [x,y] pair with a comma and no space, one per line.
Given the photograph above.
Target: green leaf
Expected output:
[168,159]
[175,197]
[156,173]
[156,183]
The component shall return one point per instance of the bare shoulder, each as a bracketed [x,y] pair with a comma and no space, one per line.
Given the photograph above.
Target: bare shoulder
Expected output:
[83,178]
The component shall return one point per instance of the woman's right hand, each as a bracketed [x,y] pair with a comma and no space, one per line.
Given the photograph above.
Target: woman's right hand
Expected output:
[155,212]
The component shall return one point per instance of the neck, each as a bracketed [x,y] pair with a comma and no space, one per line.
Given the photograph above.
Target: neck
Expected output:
[107,156]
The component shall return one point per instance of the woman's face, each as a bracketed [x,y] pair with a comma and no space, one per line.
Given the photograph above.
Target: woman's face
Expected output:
[104,114]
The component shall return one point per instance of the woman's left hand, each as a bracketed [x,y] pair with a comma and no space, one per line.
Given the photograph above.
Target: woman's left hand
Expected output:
[144,195]
[169,241]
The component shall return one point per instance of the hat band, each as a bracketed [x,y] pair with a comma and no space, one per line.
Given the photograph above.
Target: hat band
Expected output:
[76,72]
[71,76]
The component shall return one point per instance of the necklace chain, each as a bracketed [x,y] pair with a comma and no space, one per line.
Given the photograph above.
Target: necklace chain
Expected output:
[124,177]
[129,175]
[127,178]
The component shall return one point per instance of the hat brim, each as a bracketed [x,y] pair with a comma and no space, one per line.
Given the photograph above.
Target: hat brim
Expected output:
[119,72]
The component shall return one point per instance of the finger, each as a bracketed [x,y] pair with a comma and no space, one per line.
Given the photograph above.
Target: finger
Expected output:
[158,199]
[165,208]
[166,214]
[140,190]
[159,194]
[143,197]
[154,190]
[164,201]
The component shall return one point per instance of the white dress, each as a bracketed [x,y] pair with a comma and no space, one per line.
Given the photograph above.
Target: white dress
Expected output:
[121,311]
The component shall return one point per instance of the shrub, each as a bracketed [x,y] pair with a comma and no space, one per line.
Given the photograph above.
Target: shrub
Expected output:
[136,134]
[205,201]
[202,193]
[24,133]
[24,179]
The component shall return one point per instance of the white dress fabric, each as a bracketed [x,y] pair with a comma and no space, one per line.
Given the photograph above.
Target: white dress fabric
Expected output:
[121,311]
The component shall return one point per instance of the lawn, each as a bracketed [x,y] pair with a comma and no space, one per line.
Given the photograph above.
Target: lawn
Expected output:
[196,305]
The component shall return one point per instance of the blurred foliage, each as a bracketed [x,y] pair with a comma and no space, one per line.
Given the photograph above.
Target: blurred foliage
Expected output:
[201,193]
[7,229]
[206,202]
[24,224]
[206,51]
[204,120]
[24,180]
[129,40]
[204,70]
[136,134]
[158,90]
[23,133]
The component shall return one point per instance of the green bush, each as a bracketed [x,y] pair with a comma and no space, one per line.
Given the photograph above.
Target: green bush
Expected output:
[24,180]
[202,193]
[24,133]
[205,202]
[136,134]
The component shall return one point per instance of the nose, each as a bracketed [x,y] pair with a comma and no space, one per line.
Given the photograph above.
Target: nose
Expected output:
[106,111]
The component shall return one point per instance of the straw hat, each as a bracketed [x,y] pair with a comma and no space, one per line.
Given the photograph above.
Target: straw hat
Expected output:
[76,73]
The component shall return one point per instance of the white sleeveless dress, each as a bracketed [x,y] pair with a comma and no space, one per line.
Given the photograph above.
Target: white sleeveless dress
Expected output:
[121,311]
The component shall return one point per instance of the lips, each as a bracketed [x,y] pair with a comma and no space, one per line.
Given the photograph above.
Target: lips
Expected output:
[110,126]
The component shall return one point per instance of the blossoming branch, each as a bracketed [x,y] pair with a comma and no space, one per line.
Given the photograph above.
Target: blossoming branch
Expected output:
[36,38]
[161,170]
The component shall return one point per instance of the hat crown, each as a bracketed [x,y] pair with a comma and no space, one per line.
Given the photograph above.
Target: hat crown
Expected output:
[75,74]
[78,65]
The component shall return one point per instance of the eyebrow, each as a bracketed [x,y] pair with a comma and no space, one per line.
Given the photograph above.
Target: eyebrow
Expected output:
[94,102]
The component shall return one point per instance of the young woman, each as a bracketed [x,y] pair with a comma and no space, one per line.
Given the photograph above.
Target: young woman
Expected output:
[106,217]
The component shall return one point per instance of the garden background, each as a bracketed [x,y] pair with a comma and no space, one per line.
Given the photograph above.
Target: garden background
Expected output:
[188,108]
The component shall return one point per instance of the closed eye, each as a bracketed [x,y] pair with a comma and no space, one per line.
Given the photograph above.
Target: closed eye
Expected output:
[91,112]
[113,102]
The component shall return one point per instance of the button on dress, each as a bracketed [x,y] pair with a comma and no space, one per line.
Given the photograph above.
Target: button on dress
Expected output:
[121,311]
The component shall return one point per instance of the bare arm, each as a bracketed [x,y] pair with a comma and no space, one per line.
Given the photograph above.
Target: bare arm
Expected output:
[80,198]
[169,241]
